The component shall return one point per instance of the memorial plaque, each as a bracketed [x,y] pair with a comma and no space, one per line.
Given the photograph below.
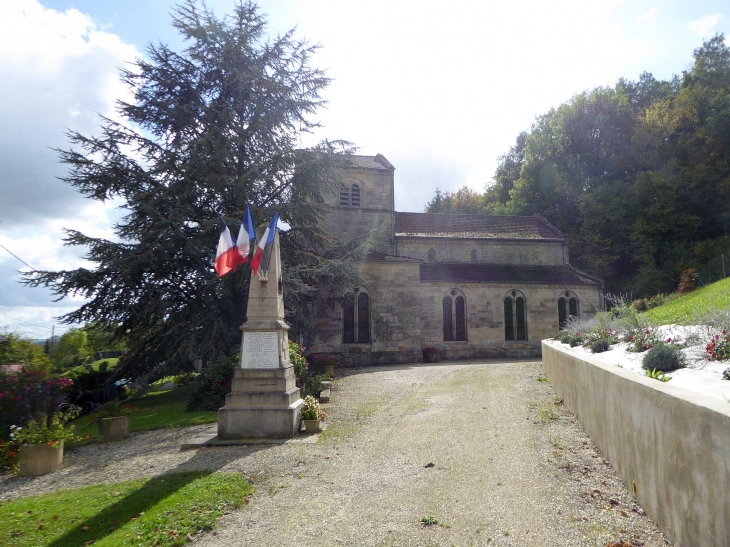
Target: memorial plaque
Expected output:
[260,350]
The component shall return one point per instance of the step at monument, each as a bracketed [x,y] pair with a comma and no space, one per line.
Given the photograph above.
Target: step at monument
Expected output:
[264,401]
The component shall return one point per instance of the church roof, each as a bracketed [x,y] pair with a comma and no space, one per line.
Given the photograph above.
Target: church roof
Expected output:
[506,274]
[474,226]
[371,162]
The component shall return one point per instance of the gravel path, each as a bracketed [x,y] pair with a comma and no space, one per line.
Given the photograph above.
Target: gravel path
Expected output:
[482,447]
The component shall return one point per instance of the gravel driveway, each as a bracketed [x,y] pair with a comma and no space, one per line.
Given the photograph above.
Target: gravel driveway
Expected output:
[483,447]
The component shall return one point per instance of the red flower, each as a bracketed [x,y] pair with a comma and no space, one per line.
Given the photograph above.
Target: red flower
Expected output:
[87,436]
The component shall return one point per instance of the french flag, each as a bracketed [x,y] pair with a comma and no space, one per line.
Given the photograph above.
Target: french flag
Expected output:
[266,241]
[245,235]
[227,257]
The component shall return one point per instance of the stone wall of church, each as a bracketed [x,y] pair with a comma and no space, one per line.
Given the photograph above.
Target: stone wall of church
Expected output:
[395,324]
[407,315]
[485,317]
[524,252]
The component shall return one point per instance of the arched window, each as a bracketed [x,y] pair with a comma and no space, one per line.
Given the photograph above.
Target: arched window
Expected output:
[431,256]
[356,318]
[474,258]
[567,307]
[355,195]
[344,196]
[454,316]
[515,316]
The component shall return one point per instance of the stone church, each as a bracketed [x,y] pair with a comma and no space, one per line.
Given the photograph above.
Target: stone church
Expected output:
[471,286]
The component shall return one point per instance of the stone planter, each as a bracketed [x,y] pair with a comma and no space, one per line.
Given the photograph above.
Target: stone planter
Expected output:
[329,370]
[312,426]
[114,429]
[39,459]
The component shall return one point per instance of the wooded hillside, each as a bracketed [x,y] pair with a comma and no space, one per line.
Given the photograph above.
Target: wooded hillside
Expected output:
[638,175]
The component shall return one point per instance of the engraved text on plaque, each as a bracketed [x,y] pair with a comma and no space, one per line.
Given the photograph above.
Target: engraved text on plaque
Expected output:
[260,350]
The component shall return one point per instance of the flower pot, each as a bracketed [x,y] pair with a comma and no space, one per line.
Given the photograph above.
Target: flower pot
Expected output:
[312,426]
[39,459]
[329,370]
[114,429]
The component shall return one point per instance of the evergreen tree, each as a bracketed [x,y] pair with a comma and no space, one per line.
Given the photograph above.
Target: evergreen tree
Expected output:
[211,128]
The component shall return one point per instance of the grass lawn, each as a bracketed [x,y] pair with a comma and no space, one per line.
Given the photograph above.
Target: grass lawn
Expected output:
[685,309]
[155,410]
[158,511]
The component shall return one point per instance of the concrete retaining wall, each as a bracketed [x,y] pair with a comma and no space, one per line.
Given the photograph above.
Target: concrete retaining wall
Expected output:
[672,444]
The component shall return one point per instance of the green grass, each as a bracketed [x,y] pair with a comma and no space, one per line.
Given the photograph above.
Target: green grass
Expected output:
[684,309]
[155,410]
[158,511]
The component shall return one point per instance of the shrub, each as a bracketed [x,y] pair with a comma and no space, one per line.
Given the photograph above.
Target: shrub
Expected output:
[93,386]
[642,340]
[184,379]
[208,390]
[575,341]
[663,357]
[27,394]
[599,346]
[687,281]
[431,355]
[719,347]
[296,356]
[726,374]
[640,305]
[46,429]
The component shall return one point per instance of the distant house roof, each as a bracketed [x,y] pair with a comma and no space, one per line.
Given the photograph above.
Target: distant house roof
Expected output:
[474,226]
[506,274]
[376,255]
[371,162]
[12,368]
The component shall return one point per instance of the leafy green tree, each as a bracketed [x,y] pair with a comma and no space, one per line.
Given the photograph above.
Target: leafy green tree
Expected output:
[73,349]
[101,337]
[463,201]
[17,350]
[212,128]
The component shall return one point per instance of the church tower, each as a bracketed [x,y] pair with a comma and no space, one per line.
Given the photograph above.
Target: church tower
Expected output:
[364,202]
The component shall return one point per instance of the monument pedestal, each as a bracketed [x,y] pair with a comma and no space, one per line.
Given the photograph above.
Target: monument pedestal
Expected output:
[264,401]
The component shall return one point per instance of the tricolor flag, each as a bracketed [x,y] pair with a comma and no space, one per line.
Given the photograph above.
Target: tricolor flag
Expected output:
[245,235]
[226,256]
[266,241]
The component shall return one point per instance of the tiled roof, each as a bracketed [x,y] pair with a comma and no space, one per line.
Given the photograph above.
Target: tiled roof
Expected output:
[371,162]
[505,273]
[475,226]
[375,255]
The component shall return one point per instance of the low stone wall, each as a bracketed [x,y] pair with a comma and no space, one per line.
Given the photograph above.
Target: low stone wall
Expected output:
[670,445]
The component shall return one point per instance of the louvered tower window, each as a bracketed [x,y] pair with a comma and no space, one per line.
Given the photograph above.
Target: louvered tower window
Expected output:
[344,196]
[355,195]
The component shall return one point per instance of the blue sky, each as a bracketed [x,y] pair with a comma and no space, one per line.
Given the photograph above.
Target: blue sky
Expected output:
[440,89]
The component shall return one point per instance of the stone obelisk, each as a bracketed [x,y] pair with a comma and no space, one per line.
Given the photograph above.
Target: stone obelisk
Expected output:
[264,401]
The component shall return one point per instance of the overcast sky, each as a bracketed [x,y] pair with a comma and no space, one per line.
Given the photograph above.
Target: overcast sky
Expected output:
[440,89]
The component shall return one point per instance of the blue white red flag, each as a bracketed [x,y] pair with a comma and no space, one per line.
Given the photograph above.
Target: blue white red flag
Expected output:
[266,241]
[227,257]
[245,235]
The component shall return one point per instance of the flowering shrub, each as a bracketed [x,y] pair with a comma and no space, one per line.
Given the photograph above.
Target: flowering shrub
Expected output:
[311,410]
[642,340]
[431,355]
[321,360]
[8,454]
[610,335]
[719,348]
[27,394]
[46,429]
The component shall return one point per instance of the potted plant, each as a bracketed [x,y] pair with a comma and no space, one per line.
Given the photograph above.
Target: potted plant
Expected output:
[431,355]
[41,441]
[312,414]
[113,421]
[329,362]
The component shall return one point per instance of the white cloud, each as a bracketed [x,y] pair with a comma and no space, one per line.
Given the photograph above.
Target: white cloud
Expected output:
[705,25]
[58,71]
[648,16]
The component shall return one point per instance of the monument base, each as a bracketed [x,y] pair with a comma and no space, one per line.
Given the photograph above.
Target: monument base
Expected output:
[263,403]
[259,422]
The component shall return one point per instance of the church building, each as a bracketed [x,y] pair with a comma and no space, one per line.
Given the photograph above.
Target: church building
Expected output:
[470,286]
